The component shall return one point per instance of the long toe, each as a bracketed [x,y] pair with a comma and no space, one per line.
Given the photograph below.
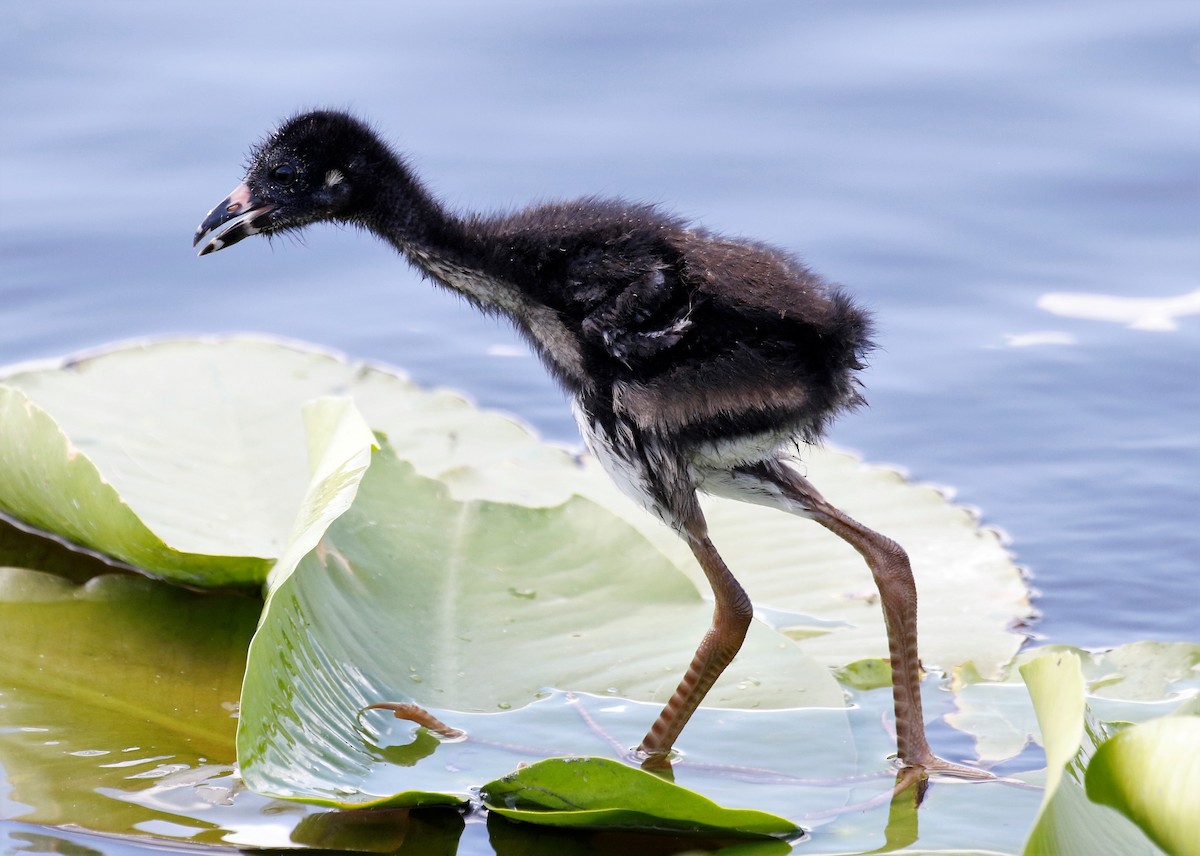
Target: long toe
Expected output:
[934,765]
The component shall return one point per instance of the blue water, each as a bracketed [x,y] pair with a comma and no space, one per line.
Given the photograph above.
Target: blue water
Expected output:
[951,163]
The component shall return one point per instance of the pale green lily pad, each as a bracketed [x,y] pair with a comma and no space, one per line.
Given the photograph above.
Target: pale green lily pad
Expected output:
[47,482]
[811,768]
[204,441]
[970,591]
[1132,683]
[191,436]
[604,793]
[804,581]
[479,460]
[1067,823]
[1151,774]
[462,608]
[217,423]
[1143,671]
[55,783]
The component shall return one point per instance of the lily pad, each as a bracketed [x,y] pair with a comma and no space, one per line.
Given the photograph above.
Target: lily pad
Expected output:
[598,792]
[465,608]
[465,566]
[809,769]
[203,441]
[970,591]
[1132,683]
[1068,823]
[50,484]
[1151,774]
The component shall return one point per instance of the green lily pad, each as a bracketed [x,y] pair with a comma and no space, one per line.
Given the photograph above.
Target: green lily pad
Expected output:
[204,443]
[84,781]
[970,591]
[599,792]
[476,571]
[204,440]
[50,484]
[1067,823]
[1151,774]
[866,674]
[465,608]
[1132,683]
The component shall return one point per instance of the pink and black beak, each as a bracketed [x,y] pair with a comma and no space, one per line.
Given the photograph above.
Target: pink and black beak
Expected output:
[239,216]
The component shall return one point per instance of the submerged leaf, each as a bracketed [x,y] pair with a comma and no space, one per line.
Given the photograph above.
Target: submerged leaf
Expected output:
[108,686]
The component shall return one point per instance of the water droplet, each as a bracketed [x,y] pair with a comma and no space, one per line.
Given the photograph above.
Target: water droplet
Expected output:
[504,705]
[527,594]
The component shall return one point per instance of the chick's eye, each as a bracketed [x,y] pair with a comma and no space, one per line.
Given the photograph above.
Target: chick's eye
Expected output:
[283,174]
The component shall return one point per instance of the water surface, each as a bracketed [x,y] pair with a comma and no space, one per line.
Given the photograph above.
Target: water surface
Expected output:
[959,166]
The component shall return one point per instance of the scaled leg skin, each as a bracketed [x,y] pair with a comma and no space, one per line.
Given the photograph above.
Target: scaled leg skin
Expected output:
[775,483]
[731,620]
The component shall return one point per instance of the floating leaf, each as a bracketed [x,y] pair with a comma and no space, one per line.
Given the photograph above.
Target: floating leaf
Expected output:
[599,792]
[50,484]
[466,608]
[204,442]
[969,589]
[1132,683]
[471,517]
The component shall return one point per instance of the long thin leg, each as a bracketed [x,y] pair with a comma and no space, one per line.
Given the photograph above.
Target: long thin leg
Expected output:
[731,620]
[777,484]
